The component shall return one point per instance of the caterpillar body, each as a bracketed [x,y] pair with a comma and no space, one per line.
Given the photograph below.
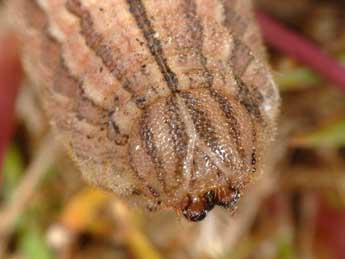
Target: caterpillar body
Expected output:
[170,100]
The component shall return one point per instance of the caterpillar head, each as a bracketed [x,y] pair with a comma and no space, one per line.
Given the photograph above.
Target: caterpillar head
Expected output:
[196,149]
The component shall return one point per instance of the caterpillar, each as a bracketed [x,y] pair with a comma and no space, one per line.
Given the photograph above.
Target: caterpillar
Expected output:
[168,100]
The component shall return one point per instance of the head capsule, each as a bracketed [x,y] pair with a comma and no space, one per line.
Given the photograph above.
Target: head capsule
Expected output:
[193,150]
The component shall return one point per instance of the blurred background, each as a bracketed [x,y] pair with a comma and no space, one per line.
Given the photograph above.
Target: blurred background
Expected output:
[296,211]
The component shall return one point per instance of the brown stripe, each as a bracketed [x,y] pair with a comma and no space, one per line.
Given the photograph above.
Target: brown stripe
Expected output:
[64,82]
[154,193]
[137,9]
[231,18]
[147,138]
[65,74]
[197,33]
[249,96]
[254,158]
[231,120]
[246,96]
[177,131]
[240,22]
[95,41]
[204,127]
[247,101]
[196,29]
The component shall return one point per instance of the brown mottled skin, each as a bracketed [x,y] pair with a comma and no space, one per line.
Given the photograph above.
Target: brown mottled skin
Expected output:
[168,99]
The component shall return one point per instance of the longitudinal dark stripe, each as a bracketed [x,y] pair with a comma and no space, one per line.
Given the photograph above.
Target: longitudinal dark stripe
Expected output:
[64,82]
[103,116]
[204,127]
[154,193]
[231,119]
[177,131]
[232,19]
[95,41]
[147,139]
[248,99]
[73,88]
[253,109]
[197,34]
[249,96]
[137,9]
[240,59]
[254,153]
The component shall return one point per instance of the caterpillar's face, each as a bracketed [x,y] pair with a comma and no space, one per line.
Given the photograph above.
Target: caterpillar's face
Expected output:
[196,149]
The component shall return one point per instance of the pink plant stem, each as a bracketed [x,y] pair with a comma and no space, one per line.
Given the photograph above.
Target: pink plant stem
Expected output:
[301,49]
[10,77]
